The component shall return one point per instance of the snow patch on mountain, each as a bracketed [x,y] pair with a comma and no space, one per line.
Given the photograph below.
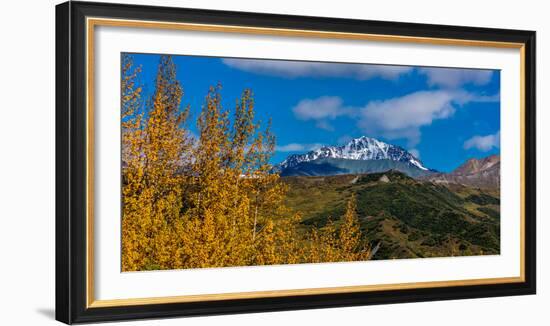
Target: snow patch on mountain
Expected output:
[363,148]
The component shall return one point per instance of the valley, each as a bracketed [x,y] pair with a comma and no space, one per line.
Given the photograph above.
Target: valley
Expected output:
[403,217]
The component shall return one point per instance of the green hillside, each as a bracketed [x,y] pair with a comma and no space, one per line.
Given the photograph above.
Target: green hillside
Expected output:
[403,217]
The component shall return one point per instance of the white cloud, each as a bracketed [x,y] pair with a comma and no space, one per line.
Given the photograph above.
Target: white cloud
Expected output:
[295,147]
[321,110]
[483,143]
[415,152]
[344,139]
[324,107]
[456,77]
[325,125]
[464,97]
[292,147]
[402,117]
[295,69]
[394,118]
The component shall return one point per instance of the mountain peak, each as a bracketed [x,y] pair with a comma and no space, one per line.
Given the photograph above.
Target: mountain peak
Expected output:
[481,173]
[474,165]
[363,148]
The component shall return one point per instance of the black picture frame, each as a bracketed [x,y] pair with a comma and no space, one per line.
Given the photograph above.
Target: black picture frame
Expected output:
[71,158]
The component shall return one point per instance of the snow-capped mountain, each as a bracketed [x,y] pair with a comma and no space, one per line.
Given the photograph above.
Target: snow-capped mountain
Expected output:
[363,149]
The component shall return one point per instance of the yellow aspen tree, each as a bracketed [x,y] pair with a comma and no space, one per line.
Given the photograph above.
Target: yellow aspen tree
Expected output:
[151,207]
[349,235]
[337,243]
[208,200]
[132,164]
[237,209]
[289,243]
[212,201]
[329,250]
[165,143]
[322,244]
[265,246]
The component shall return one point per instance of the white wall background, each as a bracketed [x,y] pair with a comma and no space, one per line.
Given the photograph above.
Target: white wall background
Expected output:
[27,162]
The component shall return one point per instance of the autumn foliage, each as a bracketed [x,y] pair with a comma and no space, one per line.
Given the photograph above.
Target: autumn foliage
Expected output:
[210,200]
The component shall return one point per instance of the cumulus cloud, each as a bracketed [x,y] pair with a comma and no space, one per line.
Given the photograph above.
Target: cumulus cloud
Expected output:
[292,147]
[324,107]
[402,117]
[415,152]
[321,110]
[394,118]
[296,147]
[296,69]
[456,77]
[483,143]
[325,125]
[465,97]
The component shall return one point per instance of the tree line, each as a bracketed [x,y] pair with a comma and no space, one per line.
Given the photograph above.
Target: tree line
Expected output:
[210,200]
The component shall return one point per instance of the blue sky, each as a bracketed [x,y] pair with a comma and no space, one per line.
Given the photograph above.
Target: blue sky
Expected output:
[442,115]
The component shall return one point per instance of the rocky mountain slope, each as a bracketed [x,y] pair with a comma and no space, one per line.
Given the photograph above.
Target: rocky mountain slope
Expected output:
[481,173]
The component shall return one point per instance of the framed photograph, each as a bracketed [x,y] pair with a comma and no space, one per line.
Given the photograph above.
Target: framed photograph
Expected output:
[212,162]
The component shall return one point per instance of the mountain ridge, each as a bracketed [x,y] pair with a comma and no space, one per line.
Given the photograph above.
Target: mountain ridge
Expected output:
[335,166]
[365,155]
[482,173]
[360,149]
